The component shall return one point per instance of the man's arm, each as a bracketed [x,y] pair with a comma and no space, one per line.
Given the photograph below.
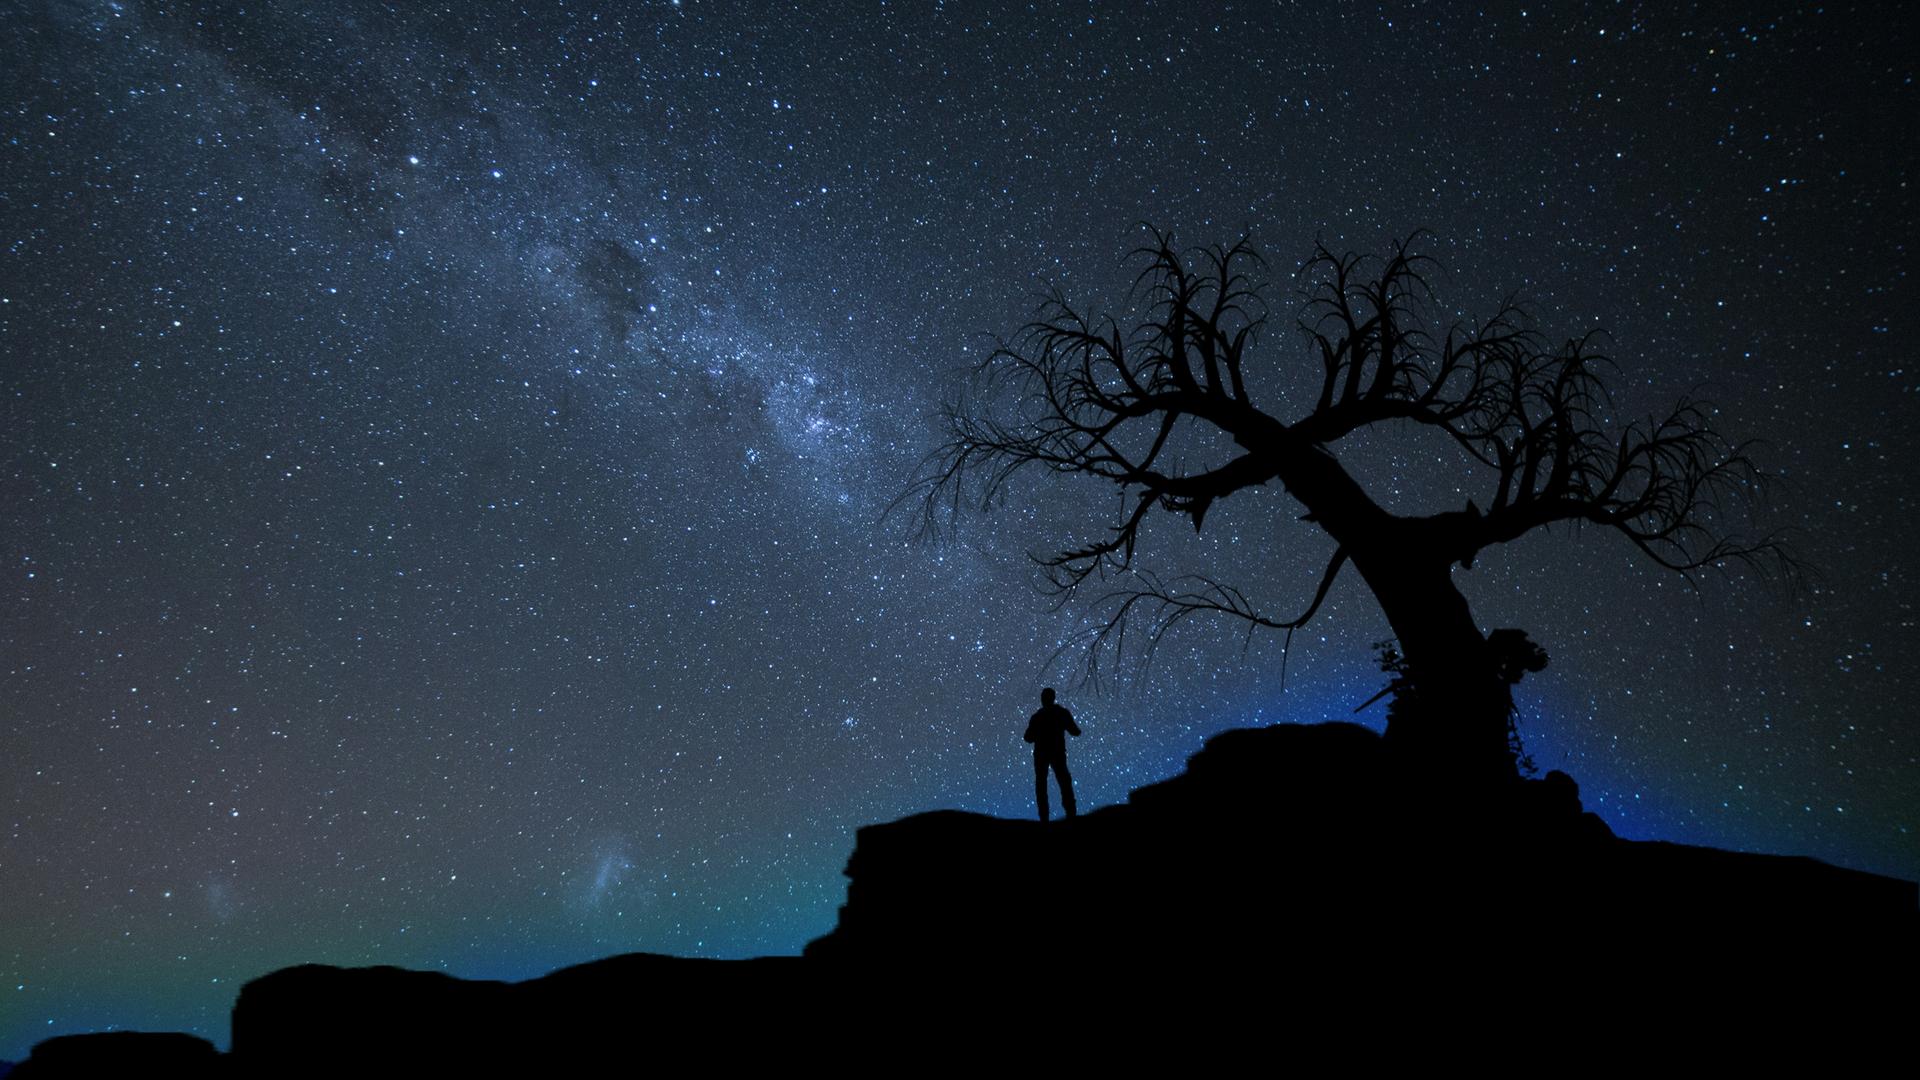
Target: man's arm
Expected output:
[1030,722]
[1072,727]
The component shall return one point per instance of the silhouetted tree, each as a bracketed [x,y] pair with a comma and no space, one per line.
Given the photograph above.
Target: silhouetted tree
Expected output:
[1164,412]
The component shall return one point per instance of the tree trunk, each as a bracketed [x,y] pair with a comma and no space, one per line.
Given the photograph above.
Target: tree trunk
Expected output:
[1453,715]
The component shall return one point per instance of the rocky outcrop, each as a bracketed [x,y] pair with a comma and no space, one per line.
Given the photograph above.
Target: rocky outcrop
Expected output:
[121,1054]
[1291,870]
[1315,847]
[313,1019]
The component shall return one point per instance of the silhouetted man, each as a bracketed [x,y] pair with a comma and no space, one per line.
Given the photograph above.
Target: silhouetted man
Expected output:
[1048,731]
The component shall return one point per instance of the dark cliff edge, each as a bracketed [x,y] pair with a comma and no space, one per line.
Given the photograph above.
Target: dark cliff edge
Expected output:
[1272,830]
[1295,871]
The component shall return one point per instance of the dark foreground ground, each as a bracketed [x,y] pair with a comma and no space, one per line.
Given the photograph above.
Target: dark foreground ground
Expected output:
[1297,893]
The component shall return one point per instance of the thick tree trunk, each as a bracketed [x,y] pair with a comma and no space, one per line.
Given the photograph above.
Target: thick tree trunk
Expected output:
[1455,715]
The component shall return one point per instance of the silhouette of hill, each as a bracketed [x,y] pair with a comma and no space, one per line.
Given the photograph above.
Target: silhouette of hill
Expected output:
[1274,829]
[121,1053]
[1295,868]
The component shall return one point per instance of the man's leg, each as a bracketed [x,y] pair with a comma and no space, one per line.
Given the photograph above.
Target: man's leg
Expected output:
[1066,784]
[1040,785]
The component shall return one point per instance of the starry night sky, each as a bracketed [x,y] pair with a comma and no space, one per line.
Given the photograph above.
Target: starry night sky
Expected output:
[446,451]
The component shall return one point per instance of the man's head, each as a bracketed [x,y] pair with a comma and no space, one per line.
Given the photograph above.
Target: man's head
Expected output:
[1046,696]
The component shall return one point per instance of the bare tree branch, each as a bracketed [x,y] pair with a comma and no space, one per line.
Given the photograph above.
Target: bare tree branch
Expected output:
[1165,604]
[1074,393]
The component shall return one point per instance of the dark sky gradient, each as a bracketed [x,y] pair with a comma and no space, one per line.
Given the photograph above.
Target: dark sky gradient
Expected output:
[445,451]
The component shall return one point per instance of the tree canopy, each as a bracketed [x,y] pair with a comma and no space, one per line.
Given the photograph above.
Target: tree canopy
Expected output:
[1169,406]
